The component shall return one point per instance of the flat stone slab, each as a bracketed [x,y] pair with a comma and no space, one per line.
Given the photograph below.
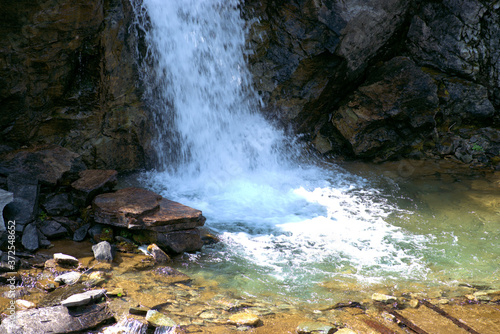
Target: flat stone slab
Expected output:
[83,298]
[137,208]
[56,319]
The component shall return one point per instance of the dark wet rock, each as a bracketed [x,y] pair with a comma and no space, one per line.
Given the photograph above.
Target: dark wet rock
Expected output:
[103,252]
[172,275]
[384,129]
[30,238]
[5,266]
[24,208]
[65,260]
[49,165]
[52,229]
[315,328]
[138,310]
[56,319]
[83,298]
[158,254]
[59,205]
[178,242]
[91,183]
[81,233]
[5,198]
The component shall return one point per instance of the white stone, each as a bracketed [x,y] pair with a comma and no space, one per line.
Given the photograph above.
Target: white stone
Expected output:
[68,278]
[22,304]
[83,298]
[65,259]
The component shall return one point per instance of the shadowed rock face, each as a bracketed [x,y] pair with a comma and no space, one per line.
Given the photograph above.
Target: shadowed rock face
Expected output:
[68,76]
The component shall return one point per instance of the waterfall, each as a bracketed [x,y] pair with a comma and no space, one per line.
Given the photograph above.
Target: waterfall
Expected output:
[202,92]
[279,220]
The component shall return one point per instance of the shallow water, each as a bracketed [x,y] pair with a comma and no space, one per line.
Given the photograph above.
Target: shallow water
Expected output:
[375,231]
[292,227]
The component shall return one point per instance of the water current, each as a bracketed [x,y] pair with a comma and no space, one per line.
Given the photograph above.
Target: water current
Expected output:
[290,225]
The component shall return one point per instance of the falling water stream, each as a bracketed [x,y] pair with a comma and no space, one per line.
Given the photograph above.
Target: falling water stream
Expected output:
[289,225]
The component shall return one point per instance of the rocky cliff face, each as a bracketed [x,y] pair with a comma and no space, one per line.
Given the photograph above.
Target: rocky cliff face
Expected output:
[383,80]
[67,77]
[367,79]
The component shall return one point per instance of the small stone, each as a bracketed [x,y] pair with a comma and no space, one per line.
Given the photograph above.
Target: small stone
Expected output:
[482,296]
[83,298]
[208,315]
[158,319]
[244,319]
[30,238]
[63,259]
[118,292]
[102,252]
[314,328]
[52,229]
[158,254]
[81,233]
[413,303]
[68,278]
[22,304]
[138,310]
[379,297]
[345,331]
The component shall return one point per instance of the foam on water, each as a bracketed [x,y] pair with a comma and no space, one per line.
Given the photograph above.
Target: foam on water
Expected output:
[276,217]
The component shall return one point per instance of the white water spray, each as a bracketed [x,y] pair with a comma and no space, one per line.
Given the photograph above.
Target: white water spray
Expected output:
[221,156]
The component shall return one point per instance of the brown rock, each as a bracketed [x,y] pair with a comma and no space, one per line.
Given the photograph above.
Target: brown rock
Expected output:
[126,207]
[158,254]
[178,242]
[93,182]
[173,216]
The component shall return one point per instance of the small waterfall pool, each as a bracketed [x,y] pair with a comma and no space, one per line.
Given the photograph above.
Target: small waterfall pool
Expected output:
[292,227]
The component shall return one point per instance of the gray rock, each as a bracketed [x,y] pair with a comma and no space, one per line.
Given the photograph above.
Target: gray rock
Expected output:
[103,252]
[81,233]
[83,298]
[68,278]
[59,205]
[56,319]
[178,242]
[24,208]
[5,198]
[52,229]
[30,237]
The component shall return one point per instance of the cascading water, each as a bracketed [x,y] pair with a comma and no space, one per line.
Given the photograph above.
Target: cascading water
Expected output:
[281,223]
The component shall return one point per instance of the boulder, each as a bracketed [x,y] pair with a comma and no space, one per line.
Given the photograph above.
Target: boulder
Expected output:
[5,198]
[91,183]
[178,242]
[56,319]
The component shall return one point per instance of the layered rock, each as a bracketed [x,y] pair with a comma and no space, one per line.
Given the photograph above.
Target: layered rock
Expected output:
[169,224]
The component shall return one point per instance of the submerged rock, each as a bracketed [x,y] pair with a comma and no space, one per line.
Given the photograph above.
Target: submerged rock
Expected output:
[244,319]
[314,328]
[379,297]
[158,319]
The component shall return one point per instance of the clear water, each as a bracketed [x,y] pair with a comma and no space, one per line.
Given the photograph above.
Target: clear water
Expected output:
[289,227]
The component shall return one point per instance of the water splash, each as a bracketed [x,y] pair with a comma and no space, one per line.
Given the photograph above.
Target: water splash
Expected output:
[291,221]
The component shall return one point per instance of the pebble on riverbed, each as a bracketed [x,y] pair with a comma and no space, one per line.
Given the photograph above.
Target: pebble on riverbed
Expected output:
[244,319]
[314,328]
